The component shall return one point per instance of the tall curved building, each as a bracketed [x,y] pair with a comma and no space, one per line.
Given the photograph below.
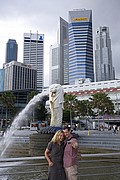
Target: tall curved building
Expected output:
[104,69]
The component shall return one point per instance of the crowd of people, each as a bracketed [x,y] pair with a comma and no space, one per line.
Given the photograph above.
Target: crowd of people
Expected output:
[62,156]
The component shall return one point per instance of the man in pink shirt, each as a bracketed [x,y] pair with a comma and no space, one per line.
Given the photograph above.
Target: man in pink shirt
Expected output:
[70,158]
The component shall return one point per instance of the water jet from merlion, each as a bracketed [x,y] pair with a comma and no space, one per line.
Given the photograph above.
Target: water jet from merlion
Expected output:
[23,115]
[56,99]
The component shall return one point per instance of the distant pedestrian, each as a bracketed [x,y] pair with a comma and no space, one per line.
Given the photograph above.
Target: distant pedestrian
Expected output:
[2,133]
[70,158]
[114,129]
[54,155]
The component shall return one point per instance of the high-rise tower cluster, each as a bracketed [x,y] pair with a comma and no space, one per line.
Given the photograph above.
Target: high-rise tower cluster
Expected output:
[73,55]
[72,59]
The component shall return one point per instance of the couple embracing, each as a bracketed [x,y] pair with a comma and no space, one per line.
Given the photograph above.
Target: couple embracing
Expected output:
[61,154]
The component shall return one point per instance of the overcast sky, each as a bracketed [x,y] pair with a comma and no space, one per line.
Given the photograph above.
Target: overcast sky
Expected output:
[19,16]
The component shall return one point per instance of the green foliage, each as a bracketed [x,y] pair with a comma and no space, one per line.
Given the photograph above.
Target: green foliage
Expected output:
[69,101]
[66,116]
[102,103]
[69,106]
[39,112]
[31,95]
[74,107]
[83,108]
[7,99]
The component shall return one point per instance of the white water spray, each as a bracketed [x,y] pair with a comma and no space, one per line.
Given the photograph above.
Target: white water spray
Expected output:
[23,115]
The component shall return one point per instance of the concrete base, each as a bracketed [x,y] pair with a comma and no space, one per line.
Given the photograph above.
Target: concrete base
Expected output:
[38,143]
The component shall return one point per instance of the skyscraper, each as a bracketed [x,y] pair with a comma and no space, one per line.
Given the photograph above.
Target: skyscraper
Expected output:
[33,54]
[64,56]
[103,55]
[11,51]
[59,59]
[80,45]
[54,75]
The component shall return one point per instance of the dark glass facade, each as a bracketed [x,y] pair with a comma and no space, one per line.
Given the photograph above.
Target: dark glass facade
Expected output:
[11,51]
[2,74]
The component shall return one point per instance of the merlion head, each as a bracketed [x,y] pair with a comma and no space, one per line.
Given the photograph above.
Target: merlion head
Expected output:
[54,88]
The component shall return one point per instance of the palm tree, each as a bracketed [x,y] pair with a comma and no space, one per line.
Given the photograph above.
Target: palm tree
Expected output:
[70,105]
[39,110]
[7,99]
[82,108]
[29,97]
[101,104]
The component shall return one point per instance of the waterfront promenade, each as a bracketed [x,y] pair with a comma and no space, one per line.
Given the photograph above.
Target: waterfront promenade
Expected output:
[95,164]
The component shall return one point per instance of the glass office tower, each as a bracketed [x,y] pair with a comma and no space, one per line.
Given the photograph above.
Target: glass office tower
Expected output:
[11,51]
[80,45]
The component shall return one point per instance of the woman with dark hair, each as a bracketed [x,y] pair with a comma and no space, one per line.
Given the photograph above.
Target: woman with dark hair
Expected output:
[54,155]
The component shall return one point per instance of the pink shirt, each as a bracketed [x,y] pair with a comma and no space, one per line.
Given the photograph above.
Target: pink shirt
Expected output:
[70,154]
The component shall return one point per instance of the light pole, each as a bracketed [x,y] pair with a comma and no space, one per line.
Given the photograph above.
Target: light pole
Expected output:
[70,106]
[117,102]
[97,111]
[70,118]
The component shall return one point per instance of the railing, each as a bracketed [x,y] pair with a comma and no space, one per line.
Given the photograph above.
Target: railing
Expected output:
[91,166]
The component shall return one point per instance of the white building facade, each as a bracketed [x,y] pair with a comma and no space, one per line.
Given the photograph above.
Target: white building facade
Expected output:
[18,76]
[34,55]
[85,89]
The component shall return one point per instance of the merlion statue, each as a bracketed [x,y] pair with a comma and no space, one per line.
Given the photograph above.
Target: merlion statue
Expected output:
[56,99]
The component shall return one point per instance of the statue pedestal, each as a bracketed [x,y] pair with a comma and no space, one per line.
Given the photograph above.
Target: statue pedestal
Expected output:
[38,143]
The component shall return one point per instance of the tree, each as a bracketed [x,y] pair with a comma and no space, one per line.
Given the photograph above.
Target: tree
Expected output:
[7,99]
[29,97]
[102,103]
[39,110]
[70,105]
[83,108]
